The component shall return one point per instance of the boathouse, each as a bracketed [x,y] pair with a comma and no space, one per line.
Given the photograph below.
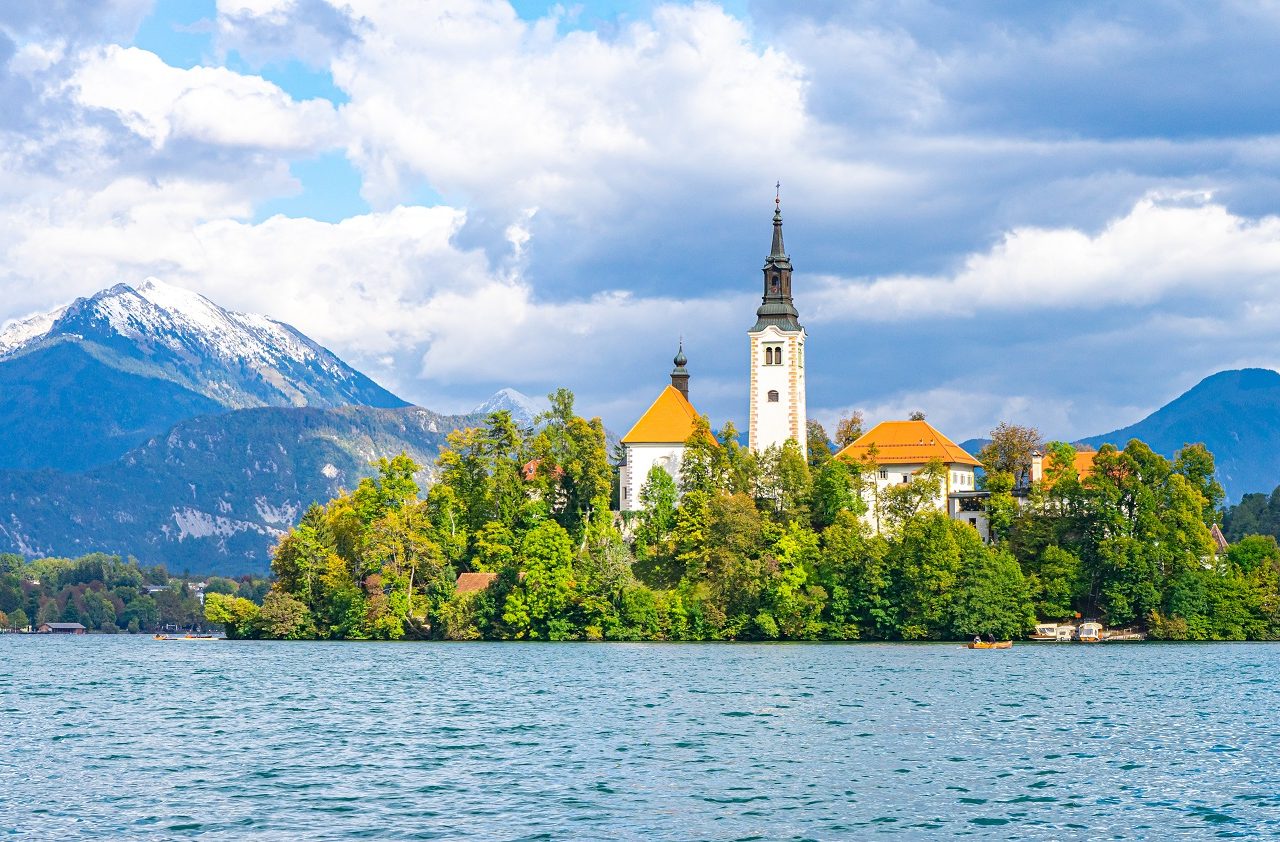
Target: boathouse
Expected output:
[61,628]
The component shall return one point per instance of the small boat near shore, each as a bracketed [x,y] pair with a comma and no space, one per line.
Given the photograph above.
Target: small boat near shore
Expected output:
[188,637]
[984,644]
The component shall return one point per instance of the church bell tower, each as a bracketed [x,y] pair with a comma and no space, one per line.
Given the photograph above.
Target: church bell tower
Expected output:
[777,355]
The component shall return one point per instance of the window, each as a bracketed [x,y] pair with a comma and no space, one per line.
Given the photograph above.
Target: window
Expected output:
[773,396]
[772,355]
[906,477]
[973,521]
[884,473]
[768,356]
[773,282]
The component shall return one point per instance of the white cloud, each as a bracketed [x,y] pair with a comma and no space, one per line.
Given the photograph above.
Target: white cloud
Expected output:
[1166,245]
[466,96]
[208,104]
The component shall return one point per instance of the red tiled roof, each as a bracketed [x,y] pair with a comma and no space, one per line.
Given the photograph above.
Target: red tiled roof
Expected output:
[475,582]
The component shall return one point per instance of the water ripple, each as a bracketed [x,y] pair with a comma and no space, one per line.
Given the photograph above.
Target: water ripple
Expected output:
[130,738]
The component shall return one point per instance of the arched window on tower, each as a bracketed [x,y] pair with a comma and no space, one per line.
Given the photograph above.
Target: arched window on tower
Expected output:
[777,356]
[774,283]
[768,356]
[773,396]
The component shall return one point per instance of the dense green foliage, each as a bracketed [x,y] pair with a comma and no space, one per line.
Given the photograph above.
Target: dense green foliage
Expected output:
[742,547]
[1255,514]
[1130,543]
[105,593]
[753,547]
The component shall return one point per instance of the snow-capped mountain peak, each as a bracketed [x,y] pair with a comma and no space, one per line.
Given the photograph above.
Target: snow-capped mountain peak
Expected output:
[18,333]
[238,359]
[523,408]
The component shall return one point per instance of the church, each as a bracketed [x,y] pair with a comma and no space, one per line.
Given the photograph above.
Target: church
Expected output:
[893,451]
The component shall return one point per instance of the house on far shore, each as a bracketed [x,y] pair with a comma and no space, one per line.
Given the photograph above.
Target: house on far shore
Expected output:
[474,582]
[60,628]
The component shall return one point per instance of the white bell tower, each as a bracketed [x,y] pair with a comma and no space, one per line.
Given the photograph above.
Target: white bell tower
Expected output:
[777,355]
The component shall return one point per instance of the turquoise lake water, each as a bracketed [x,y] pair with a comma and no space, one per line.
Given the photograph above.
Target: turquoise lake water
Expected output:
[131,738]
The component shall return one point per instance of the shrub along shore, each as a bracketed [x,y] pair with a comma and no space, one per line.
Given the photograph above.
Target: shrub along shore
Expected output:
[755,547]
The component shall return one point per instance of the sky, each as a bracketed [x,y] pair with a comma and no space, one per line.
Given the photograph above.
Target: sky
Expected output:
[1056,213]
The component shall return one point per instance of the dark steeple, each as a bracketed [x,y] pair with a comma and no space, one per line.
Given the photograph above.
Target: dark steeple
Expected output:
[777,308]
[679,375]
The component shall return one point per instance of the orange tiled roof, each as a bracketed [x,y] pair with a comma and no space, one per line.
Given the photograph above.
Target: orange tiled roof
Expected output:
[907,443]
[1083,463]
[669,419]
[473,582]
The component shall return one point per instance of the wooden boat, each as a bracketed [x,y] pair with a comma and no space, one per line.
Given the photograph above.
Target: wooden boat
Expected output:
[999,644]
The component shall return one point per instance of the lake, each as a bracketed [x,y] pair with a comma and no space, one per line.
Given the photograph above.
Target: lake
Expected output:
[127,737]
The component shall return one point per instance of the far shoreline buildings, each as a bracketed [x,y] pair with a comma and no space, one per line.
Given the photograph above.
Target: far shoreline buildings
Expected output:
[893,451]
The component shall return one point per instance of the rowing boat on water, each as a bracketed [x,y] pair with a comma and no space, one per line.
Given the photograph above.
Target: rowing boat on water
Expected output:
[999,644]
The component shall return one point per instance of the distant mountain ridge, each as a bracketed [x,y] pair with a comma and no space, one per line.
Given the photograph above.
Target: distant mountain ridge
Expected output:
[215,492]
[1235,414]
[87,382]
[151,422]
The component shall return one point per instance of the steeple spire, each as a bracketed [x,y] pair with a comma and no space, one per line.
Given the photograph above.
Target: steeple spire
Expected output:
[679,374]
[776,307]
[778,250]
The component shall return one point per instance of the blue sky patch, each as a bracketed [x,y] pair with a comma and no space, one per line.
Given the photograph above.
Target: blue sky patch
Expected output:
[330,191]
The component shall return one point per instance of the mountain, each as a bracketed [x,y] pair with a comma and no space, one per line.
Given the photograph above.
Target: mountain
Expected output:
[215,492]
[85,383]
[1236,414]
[523,408]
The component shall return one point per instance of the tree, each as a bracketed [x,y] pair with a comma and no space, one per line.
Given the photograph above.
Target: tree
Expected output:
[784,480]
[1010,450]
[817,444]
[219,584]
[741,465]
[917,415]
[1254,552]
[236,615]
[899,503]
[703,468]
[853,572]
[836,488]
[848,429]
[1055,583]
[573,469]
[925,564]
[548,567]
[283,617]
[658,499]
[19,620]
[1195,462]
[991,597]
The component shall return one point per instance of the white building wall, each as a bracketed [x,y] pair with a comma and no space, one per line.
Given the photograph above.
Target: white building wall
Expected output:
[956,478]
[640,459]
[771,423]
